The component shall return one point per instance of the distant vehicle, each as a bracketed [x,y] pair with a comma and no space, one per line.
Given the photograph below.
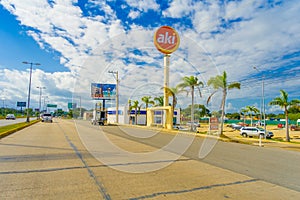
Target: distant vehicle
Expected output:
[196,124]
[280,125]
[236,126]
[255,132]
[10,116]
[47,117]
[99,118]
[259,123]
[180,128]
[295,128]
[243,124]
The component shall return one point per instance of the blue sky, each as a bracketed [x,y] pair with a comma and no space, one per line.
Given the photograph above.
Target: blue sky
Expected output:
[77,42]
[17,46]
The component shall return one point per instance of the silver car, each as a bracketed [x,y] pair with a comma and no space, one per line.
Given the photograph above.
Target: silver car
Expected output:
[255,132]
[10,116]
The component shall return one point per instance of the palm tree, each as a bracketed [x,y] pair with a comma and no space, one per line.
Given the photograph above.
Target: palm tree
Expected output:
[244,111]
[192,83]
[147,100]
[137,108]
[220,82]
[173,92]
[251,110]
[283,102]
[159,101]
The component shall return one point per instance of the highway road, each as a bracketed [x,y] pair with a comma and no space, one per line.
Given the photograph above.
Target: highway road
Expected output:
[67,160]
[273,165]
[4,122]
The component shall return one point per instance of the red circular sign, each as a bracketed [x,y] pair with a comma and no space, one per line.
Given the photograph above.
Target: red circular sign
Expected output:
[166,39]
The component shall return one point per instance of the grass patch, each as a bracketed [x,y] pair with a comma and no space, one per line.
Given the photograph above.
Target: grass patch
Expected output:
[9,129]
[283,140]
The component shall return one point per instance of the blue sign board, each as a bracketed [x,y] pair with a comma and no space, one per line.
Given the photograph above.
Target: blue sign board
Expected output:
[21,104]
[72,105]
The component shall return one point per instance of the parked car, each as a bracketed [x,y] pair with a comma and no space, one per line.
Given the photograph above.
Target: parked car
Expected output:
[236,126]
[47,117]
[255,132]
[196,124]
[10,116]
[294,127]
[180,128]
[259,123]
[243,124]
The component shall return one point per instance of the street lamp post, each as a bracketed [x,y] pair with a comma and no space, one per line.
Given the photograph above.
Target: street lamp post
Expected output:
[29,87]
[40,102]
[263,111]
[3,110]
[117,93]
[44,107]
[80,111]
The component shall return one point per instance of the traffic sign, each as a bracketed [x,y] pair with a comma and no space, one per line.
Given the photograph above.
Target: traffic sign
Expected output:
[72,105]
[51,106]
[21,104]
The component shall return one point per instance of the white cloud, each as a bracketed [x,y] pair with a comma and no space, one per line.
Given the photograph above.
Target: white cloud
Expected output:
[134,14]
[144,5]
[274,109]
[179,8]
[15,84]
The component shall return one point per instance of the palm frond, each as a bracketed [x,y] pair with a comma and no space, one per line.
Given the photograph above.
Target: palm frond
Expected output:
[234,85]
[210,96]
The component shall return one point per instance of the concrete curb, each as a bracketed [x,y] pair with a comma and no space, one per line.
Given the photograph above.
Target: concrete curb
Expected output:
[6,133]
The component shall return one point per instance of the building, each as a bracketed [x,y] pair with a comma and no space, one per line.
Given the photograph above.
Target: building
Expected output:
[130,118]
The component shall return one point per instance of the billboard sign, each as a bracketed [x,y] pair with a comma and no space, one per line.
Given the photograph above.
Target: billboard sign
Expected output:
[103,91]
[21,104]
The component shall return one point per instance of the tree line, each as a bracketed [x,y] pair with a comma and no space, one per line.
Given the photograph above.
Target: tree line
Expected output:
[219,83]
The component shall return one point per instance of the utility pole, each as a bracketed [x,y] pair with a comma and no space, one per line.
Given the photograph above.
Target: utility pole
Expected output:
[117,93]
[263,111]
[80,107]
[29,87]
[40,102]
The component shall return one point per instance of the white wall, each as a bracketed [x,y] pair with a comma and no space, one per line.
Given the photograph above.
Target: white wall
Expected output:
[124,116]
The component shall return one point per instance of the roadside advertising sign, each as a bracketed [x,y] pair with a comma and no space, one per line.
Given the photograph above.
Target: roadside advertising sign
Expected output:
[103,91]
[166,39]
[214,124]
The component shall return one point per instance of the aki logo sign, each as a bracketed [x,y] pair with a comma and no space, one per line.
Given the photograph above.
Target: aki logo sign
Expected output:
[166,40]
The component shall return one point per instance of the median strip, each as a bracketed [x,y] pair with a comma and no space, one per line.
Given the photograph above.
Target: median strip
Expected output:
[9,129]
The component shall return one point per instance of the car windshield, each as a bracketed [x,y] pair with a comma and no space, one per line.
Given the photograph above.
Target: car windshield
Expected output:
[47,115]
[261,129]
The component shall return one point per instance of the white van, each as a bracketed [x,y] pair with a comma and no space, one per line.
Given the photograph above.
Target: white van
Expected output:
[47,117]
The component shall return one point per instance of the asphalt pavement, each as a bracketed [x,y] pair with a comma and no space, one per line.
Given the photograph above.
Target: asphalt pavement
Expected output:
[71,160]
